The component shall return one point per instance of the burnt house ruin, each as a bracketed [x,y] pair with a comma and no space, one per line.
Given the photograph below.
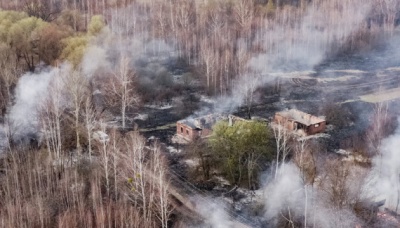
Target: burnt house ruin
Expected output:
[295,120]
[201,127]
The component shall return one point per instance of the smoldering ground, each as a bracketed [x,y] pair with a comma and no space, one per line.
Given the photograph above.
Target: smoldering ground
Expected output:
[300,48]
[306,46]
[383,182]
[288,199]
[100,57]
[31,92]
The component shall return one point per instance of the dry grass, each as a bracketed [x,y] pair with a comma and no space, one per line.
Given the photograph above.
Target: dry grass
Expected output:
[387,95]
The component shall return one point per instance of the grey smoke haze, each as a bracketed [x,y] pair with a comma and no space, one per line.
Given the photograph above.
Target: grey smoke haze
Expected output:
[93,60]
[289,194]
[101,56]
[319,34]
[31,91]
[3,138]
[384,179]
[384,182]
[216,216]
[300,49]
[121,37]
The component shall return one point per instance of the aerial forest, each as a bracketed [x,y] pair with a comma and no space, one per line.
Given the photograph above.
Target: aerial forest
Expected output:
[93,92]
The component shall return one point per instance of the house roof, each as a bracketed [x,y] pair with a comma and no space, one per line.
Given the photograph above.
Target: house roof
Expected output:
[301,117]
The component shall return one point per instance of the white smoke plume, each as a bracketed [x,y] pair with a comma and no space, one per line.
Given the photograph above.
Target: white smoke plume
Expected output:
[93,60]
[384,183]
[289,198]
[321,31]
[31,91]
[215,214]
[324,28]
[101,56]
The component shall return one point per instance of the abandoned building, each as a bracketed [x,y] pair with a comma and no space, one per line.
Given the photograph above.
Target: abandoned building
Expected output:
[201,127]
[296,120]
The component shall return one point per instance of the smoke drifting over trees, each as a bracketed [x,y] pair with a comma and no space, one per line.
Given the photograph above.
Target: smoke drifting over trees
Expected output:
[384,180]
[23,114]
[74,73]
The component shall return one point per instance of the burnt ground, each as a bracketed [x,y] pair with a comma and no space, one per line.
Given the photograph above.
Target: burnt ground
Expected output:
[158,124]
[307,96]
[339,82]
[311,94]
[308,92]
[318,91]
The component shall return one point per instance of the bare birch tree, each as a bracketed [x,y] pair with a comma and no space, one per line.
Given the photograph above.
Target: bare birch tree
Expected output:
[144,171]
[377,131]
[134,172]
[244,13]
[282,137]
[90,123]
[51,114]
[162,202]
[105,157]
[208,58]
[120,88]
[8,76]
[77,88]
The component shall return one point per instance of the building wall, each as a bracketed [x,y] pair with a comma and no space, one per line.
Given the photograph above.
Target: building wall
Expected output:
[290,125]
[184,131]
[189,133]
[281,120]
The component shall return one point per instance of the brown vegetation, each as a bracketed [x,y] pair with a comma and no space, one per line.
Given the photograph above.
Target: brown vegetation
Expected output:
[123,182]
[126,186]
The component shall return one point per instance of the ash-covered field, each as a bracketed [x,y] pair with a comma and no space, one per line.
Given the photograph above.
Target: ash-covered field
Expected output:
[350,82]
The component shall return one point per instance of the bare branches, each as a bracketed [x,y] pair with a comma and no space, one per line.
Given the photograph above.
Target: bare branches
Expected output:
[90,123]
[51,112]
[282,138]
[144,172]
[379,127]
[120,88]
[47,10]
[76,86]
[244,13]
